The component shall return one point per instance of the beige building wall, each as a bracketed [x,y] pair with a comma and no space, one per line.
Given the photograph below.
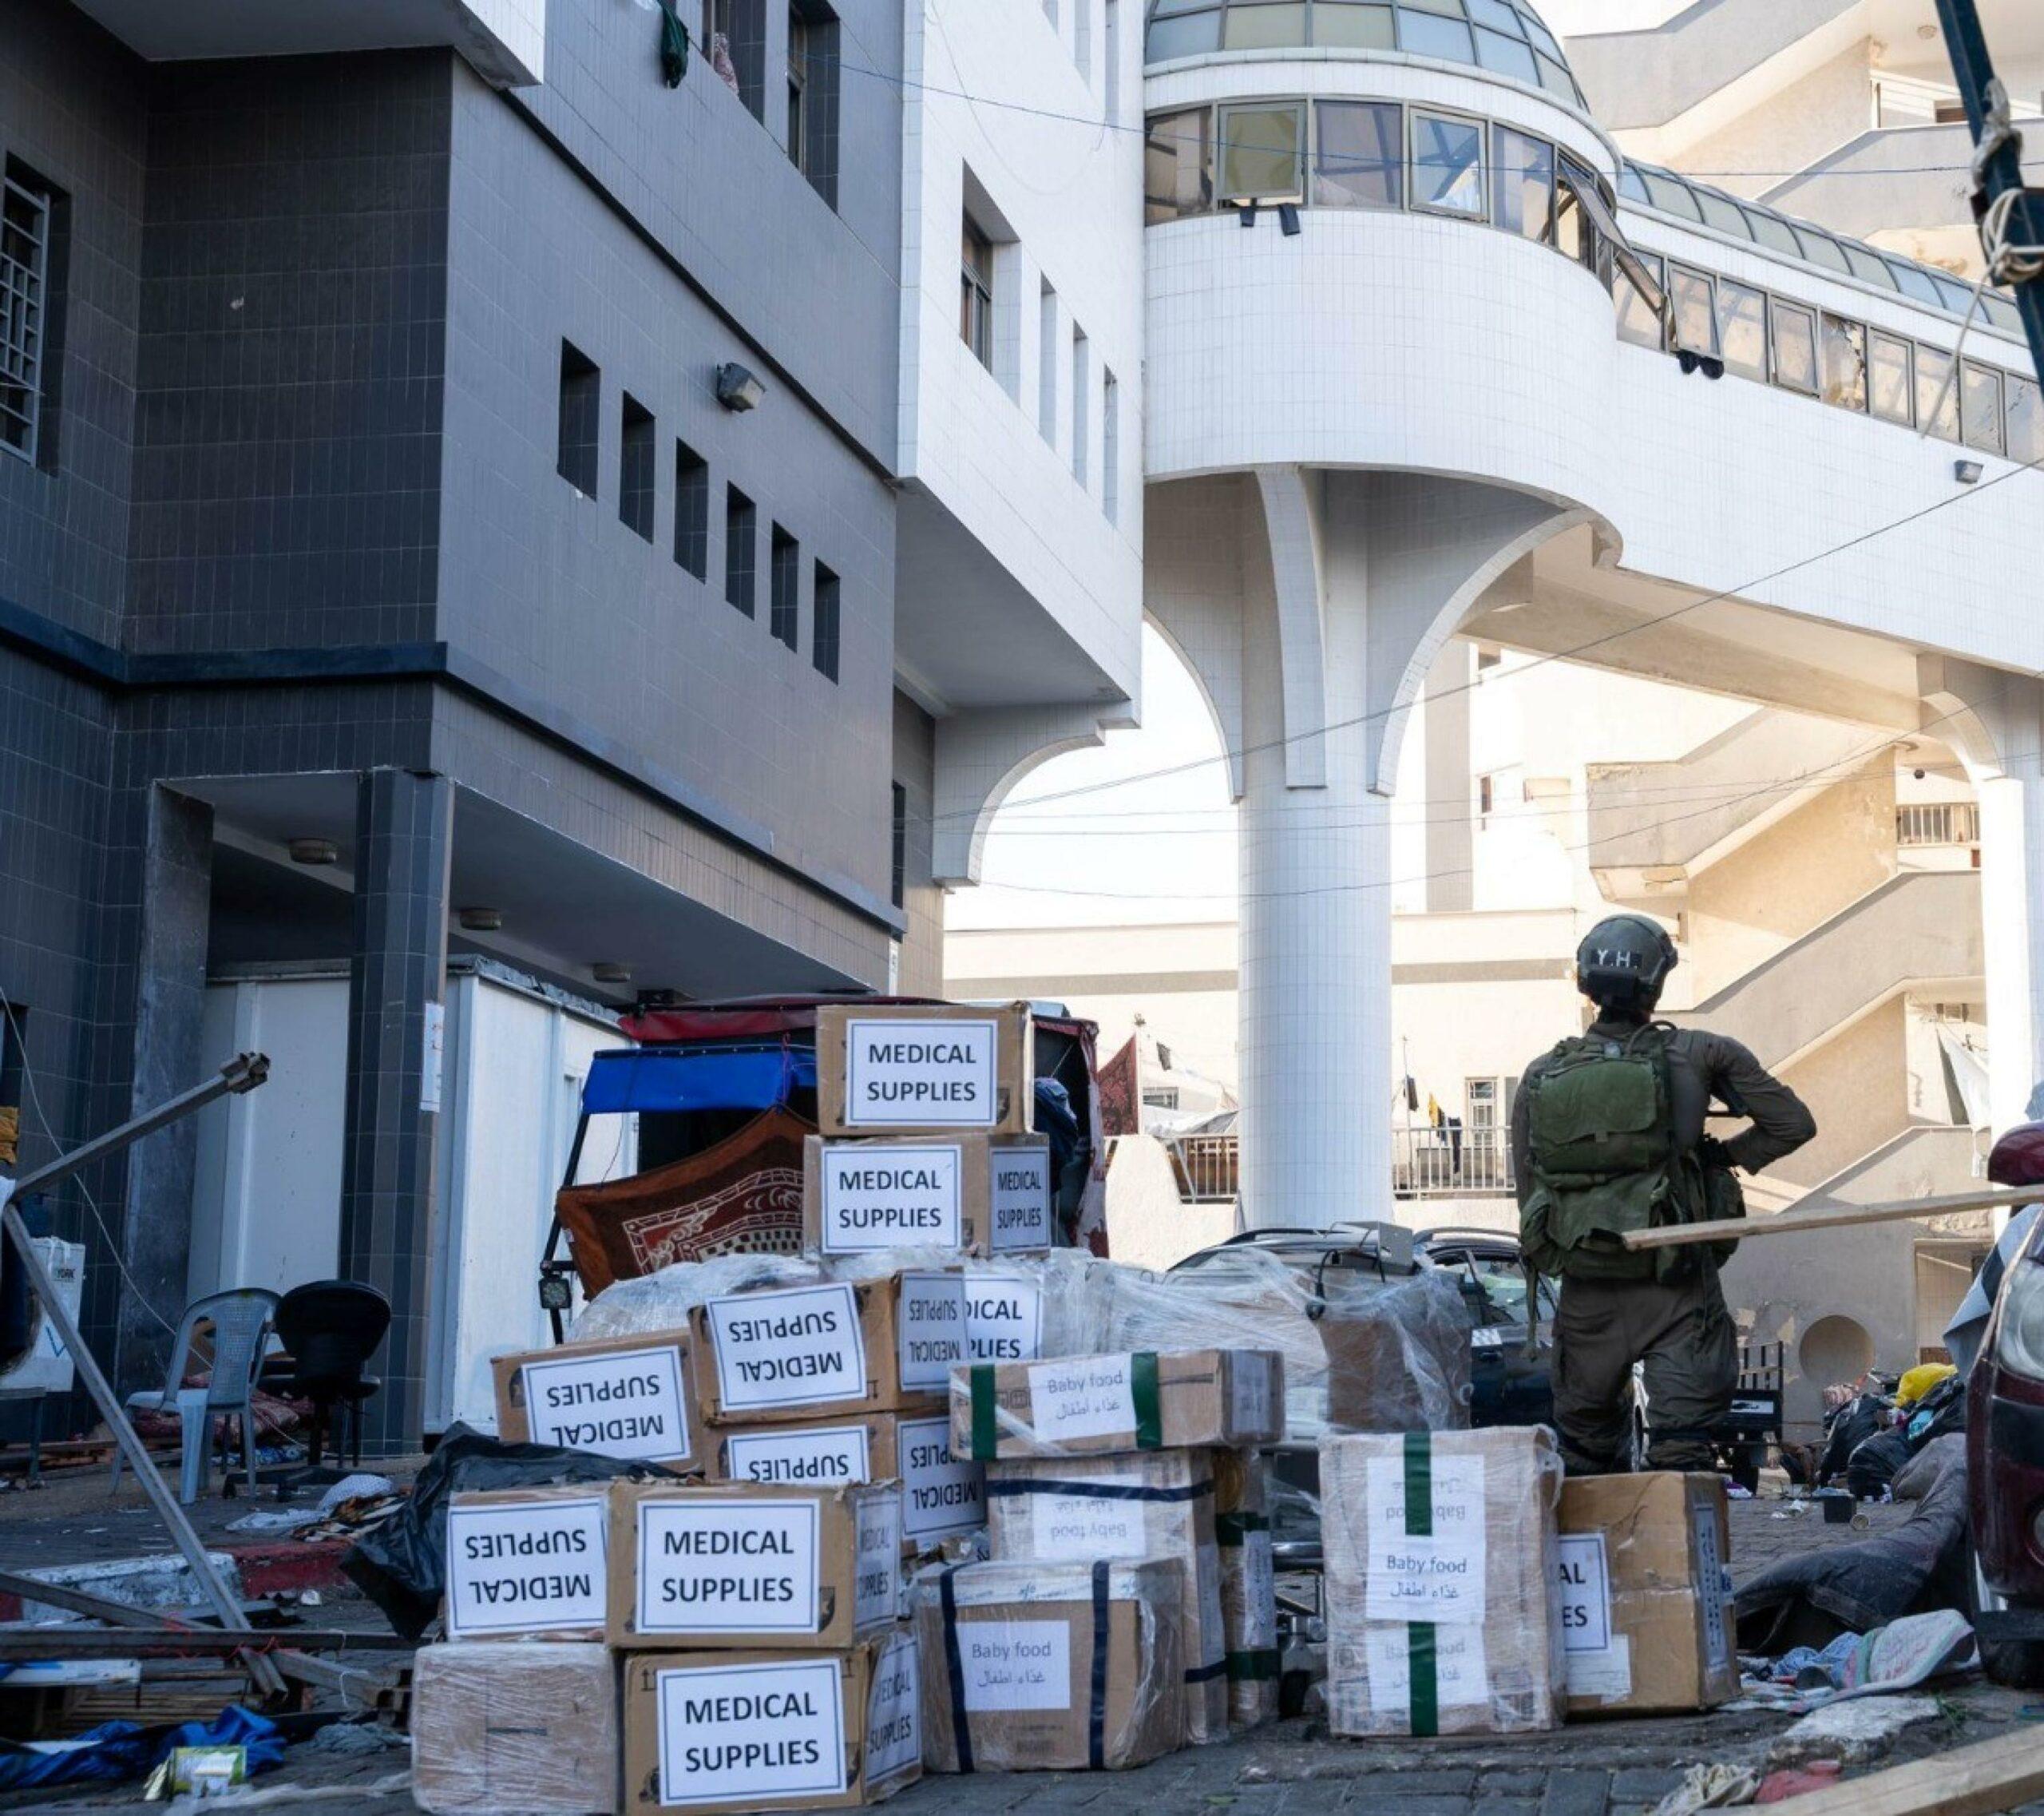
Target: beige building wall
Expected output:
[1857,1085]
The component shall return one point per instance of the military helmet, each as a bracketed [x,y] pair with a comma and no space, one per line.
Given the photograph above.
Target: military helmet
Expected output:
[1622,962]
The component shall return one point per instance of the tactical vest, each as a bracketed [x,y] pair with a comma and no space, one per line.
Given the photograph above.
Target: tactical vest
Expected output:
[1606,1157]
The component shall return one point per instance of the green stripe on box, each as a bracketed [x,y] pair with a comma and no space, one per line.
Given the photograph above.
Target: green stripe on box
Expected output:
[986,1440]
[1254,1667]
[1233,1528]
[1423,1693]
[1142,1385]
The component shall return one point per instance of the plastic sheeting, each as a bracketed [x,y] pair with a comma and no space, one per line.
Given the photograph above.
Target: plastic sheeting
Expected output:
[121,1749]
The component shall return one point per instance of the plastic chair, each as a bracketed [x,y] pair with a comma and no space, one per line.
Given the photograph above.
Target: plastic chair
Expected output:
[329,1329]
[240,1321]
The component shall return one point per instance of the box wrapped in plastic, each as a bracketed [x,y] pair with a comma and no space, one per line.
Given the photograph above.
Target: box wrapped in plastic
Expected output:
[1249,1586]
[499,1726]
[1102,1404]
[1147,1503]
[1050,1666]
[1443,1582]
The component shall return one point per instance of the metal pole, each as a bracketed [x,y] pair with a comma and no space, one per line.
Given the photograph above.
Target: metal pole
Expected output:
[2000,170]
[243,1073]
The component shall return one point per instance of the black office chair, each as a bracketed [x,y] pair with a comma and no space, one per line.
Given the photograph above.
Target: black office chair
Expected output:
[329,1329]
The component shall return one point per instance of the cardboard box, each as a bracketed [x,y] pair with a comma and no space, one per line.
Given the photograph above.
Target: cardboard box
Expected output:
[528,1563]
[1138,1400]
[772,1731]
[629,1397]
[1008,1657]
[500,1726]
[1647,1624]
[939,1495]
[838,1347]
[897,1191]
[911,1068]
[1249,1586]
[1442,1588]
[698,1567]
[1021,1192]
[1150,1504]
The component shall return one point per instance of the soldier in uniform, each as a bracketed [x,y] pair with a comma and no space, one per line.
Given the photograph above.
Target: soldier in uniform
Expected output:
[1608,1134]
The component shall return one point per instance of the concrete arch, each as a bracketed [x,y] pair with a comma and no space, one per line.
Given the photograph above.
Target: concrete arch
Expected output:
[981,757]
[1227,726]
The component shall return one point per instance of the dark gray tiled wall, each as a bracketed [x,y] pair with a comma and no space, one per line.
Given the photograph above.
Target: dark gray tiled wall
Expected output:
[72,106]
[293,324]
[548,587]
[922,901]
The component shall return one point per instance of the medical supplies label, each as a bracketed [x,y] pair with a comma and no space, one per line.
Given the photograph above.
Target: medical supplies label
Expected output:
[903,1074]
[742,1733]
[1004,1318]
[1020,1197]
[1586,1585]
[893,1712]
[877,1594]
[1714,1591]
[1248,1393]
[728,1567]
[824,1457]
[627,1404]
[891,1198]
[939,1493]
[931,1315]
[534,1567]
[789,1348]
[1015,1664]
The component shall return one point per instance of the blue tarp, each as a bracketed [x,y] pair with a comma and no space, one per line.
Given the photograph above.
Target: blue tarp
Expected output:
[655,1078]
[120,1750]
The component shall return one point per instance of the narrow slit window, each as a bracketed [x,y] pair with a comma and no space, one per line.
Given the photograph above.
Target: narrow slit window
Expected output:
[692,510]
[1047,341]
[581,396]
[784,589]
[741,555]
[976,292]
[1110,447]
[28,211]
[634,478]
[1081,383]
[823,647]
[898,864]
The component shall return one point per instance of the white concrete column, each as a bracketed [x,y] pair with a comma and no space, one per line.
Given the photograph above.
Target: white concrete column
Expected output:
[2012,936]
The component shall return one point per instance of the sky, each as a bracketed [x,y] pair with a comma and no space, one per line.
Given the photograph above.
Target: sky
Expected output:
[1160,848]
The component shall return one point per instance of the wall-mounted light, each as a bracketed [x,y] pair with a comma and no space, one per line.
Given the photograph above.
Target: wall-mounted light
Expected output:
[480,920]
[1967,472]
[737,389]
[314,851]
[609,971]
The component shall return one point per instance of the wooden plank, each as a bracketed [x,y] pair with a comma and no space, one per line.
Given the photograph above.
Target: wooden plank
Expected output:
[195,1642]
[1997,1775]
[1826,1217]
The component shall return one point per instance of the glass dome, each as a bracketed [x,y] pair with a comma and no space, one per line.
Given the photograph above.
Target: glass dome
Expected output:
[1504,36]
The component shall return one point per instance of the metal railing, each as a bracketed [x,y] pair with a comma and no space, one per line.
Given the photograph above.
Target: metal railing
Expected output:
[1937,823]
[1206,1166]
[1450,1163]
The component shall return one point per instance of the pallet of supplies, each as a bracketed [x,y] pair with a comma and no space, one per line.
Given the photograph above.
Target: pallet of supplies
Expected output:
[528,1563]
[1441,1564]
[1646,1621]
[1150,1504]
[834,1347]
[924,1192]
[921,1069]
[633,1397]
[1249,1586]
[1138,1399]
[723,1568]
[1050,1666]
[772,1731]
[499,1725]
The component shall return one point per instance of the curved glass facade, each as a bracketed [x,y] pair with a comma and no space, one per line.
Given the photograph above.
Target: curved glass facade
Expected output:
[1687,200]
[1506,37]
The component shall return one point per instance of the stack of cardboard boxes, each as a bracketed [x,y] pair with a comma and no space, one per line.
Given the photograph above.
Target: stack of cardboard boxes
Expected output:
[1101,1495]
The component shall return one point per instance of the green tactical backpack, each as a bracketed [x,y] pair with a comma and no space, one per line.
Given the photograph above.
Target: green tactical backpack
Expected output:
[1600,1124]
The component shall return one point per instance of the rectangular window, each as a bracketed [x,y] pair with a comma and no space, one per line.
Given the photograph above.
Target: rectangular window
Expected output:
[2025,422]
[634,475]
[1448,165]
[581,387]
[1046,346]
[1264,24]
[823,645]
[27,338]
[1692,311]
[784,588]
[1576,220]
[1638,321]
[1081,38]
[1486,796]
[1980,406]
[1110,447]
[1933,369]
[899,856]
[1525,179]
[692,510]
[975,293]
[1263,153]
[1178,165]
[1888,388]
[1111,45]
[1359,160]
[741,555]
[740,60]
[1794,337]
[1742,329]
[1081,383]
[813,95]
[1844,349]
